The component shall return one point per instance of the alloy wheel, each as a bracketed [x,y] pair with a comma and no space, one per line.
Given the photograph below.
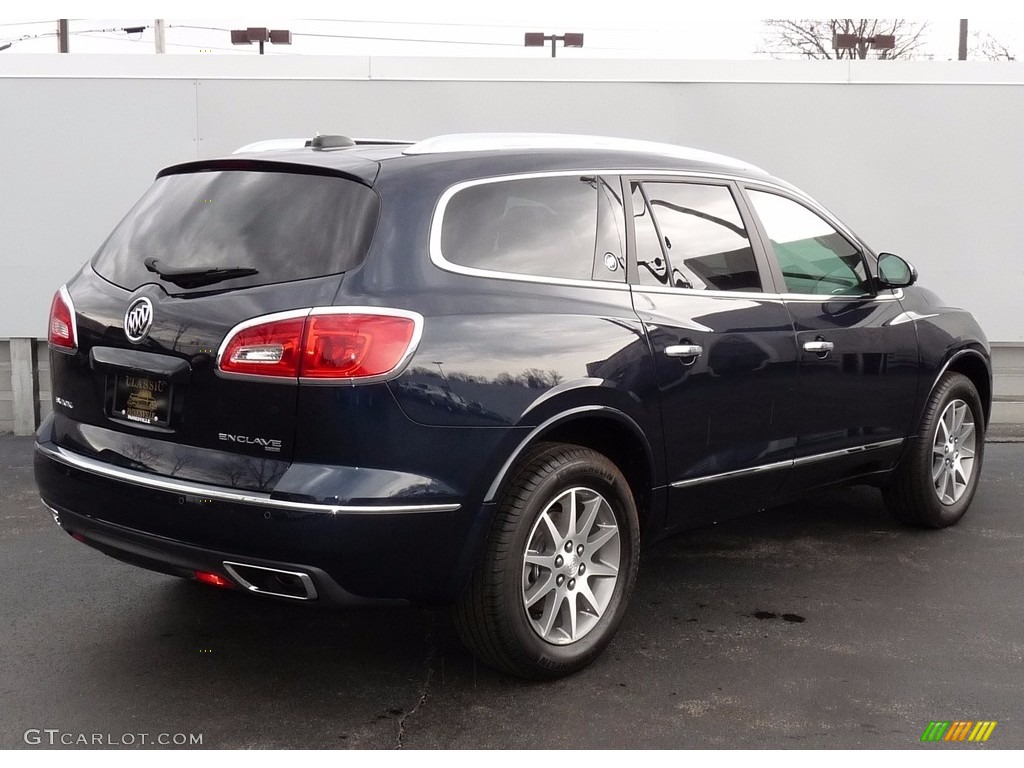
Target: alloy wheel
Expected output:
[571,566]
[953,452]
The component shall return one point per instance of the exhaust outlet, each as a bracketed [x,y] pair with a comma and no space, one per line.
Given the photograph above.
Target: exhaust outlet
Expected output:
[272,581]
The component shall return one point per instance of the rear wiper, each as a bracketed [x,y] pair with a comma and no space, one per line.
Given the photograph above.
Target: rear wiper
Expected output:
[196,277]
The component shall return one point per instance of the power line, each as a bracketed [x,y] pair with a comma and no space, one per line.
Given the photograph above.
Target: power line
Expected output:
[395,39]
[27,23]
[404,39]
[169,44]
[93,32]
[586,27]
[364,37]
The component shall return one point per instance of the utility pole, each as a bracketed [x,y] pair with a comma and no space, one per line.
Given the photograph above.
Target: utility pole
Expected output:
[62,35]
[159,36]
[962,56]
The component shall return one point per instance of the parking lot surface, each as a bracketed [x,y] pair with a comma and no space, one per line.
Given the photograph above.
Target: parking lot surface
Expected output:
[818,624]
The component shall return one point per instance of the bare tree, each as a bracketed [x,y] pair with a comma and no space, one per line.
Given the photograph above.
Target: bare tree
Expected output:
[812,38]
[986,46]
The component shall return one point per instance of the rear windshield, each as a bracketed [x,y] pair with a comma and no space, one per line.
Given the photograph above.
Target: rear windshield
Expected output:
[287,226]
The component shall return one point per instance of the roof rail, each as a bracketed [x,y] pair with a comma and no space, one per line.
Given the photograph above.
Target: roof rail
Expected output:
[326,142]
[484,142]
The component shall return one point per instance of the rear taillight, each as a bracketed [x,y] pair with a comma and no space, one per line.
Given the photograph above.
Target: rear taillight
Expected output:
[322,344]
[63,333]
[266,346]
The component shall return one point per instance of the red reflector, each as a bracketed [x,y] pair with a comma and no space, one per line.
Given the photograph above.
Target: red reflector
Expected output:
[323,343]
[63,331]
[78,537]
[214,579]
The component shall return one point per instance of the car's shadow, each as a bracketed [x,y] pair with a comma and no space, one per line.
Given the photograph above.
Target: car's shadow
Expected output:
[293,637]
[333,677]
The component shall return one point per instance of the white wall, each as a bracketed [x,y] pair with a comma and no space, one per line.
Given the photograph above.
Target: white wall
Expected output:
[921,158]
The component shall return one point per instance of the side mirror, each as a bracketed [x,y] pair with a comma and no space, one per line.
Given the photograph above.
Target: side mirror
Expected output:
[894,272]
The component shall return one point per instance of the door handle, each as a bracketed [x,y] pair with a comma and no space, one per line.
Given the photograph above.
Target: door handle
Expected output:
[819,346]
[684,350]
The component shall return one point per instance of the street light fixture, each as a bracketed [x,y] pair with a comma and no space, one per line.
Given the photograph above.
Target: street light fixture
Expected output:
[261,35]
[848,42]
[538,39]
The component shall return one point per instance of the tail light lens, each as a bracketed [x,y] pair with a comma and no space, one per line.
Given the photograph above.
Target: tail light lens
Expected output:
[325,343]
[266,346]
[63,333]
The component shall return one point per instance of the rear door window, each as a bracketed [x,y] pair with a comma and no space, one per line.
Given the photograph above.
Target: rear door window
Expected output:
[286,226]
[692,236]
[567,227]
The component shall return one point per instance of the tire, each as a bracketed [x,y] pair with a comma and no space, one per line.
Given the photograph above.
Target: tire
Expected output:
[532,555]
[935,482]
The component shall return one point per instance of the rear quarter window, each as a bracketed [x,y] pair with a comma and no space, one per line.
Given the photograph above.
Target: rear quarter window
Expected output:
[288,226]
[565,227]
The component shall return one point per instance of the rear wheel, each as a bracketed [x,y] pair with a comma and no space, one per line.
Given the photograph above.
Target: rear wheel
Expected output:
[559,565]
[936,481]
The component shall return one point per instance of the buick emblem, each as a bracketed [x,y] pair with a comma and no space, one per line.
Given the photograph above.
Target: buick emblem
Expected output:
[138,319]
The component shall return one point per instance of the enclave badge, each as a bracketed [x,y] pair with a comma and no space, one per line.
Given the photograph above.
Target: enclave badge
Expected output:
[137,319]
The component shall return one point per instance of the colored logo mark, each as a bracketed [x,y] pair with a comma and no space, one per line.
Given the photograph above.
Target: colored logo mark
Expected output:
[959,730]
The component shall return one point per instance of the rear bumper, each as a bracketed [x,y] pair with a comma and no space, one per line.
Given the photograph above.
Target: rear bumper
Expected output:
[178,559]
[351,553]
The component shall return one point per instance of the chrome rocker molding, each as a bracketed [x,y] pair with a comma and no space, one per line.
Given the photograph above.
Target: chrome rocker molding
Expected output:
[204,491]
[789,463]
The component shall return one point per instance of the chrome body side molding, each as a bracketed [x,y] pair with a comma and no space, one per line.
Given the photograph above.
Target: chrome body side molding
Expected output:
[790,463]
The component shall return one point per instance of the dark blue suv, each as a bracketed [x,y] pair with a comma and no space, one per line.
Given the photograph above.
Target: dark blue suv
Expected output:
[486,370]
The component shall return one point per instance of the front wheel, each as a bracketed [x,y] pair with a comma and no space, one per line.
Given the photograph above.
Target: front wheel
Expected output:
[559,565]
[935,482]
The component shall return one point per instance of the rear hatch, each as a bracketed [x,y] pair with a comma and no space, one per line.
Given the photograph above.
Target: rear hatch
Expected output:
[205,249]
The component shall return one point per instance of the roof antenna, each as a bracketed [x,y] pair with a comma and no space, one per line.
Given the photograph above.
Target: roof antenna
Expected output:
[322,142]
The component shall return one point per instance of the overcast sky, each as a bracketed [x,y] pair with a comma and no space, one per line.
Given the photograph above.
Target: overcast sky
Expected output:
[454,28]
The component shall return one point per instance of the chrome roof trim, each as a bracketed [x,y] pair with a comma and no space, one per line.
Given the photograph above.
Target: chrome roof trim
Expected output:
[491,142]
[437,219]
[277,145]
[203,490]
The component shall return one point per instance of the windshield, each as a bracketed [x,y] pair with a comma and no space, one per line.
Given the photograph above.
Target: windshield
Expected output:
[275,227]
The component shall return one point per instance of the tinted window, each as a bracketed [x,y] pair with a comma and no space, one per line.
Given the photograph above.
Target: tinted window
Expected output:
[813,256]
[287,226]
[649,252]
[544,227]
[692,236]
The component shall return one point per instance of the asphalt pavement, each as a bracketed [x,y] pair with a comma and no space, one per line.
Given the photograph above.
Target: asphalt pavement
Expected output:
[818,624]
